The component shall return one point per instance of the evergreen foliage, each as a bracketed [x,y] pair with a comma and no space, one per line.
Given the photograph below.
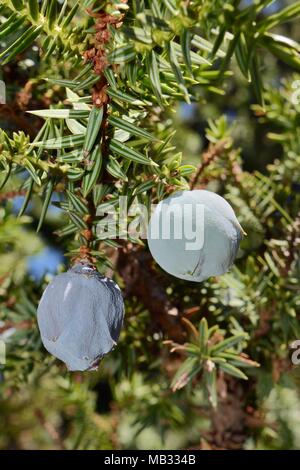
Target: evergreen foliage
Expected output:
[97,96]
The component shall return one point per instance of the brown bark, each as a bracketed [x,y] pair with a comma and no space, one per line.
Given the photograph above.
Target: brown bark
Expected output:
[141,280]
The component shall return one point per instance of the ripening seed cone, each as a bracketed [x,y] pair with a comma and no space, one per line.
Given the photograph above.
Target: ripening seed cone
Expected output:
[80,316]
[194,235]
